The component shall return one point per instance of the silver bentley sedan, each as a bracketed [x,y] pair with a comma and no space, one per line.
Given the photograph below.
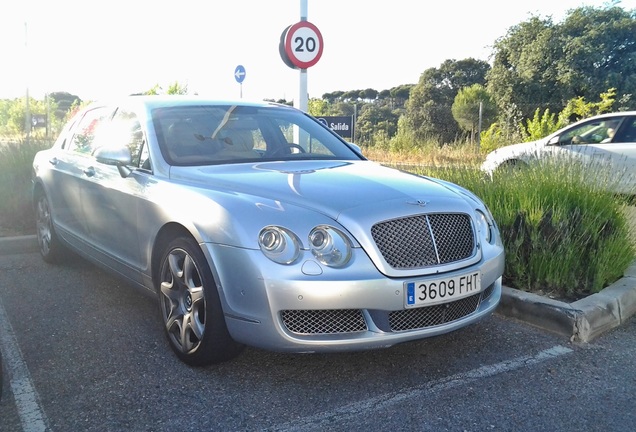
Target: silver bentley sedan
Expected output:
[256,225]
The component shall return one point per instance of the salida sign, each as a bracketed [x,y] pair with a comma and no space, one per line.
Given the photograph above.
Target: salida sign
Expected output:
[342,125]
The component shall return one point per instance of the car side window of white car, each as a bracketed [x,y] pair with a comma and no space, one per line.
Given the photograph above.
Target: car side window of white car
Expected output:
[627,133]
[593,132]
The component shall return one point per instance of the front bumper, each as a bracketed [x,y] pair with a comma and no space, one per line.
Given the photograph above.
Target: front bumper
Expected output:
[311,308]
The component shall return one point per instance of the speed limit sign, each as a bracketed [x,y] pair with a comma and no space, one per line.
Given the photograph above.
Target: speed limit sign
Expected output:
[303,44]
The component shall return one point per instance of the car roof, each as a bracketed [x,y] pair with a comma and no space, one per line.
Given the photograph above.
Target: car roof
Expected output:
[612,114]
[159,101]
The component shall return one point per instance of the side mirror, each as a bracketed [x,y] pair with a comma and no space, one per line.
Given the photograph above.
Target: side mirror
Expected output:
[554,141]
[117,156]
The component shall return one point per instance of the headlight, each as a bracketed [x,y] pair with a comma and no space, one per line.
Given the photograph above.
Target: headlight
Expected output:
[484,225]
[330,246]
[279,244]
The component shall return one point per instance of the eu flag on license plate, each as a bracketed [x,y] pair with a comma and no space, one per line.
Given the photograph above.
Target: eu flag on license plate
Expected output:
[410,293]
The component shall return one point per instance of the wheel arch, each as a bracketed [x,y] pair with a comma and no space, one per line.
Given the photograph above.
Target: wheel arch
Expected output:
[165,235]
[511,164]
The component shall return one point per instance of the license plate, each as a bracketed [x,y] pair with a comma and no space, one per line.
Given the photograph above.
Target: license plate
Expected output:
[443,290]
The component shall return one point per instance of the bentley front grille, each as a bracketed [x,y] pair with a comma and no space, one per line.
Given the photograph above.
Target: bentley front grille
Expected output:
[425,240]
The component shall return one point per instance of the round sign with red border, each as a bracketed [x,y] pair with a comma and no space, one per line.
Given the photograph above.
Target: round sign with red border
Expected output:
[303,44]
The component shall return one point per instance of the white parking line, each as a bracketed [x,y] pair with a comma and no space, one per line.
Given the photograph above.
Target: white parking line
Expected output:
[26,398]
[320,421]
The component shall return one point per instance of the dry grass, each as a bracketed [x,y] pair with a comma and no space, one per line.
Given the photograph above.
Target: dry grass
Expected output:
[428,156]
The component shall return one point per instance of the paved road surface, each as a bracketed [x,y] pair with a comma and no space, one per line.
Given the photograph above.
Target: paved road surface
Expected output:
[85,352]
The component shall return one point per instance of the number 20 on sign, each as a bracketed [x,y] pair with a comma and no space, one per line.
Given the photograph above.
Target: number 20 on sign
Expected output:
[303,44]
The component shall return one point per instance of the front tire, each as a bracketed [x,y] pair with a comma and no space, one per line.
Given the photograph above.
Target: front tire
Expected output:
[191,308]
[49,244]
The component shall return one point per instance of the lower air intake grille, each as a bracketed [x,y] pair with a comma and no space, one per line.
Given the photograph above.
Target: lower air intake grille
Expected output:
[429,316]
[313,322]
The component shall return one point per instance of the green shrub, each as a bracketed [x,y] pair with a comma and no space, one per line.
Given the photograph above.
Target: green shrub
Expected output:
[564,235]
[16,210]
[541,126]
[495,137]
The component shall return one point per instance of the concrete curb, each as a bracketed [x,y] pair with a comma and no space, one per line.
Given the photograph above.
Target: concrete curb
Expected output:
[581,321]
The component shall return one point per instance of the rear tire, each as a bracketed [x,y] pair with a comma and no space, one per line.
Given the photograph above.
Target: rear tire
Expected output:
[51,248]
[191,308]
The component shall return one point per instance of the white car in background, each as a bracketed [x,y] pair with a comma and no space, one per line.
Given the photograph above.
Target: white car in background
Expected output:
[604,140]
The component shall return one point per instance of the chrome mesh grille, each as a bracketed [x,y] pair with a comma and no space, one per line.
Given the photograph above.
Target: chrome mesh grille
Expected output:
[429,316]
[425,240]
[306,322]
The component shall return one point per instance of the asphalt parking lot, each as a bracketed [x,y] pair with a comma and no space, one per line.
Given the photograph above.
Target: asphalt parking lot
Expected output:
[84,351]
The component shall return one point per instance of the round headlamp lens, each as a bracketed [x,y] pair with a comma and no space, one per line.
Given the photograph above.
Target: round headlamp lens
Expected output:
[330,246]
[279,244]
[270,239]
[318,238]
[484,226]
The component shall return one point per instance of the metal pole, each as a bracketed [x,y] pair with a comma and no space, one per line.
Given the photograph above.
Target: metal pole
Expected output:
[27,111]
[481,109]
[48,117]
[303,97]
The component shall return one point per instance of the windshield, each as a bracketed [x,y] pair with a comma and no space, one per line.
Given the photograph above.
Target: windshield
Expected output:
[206,135]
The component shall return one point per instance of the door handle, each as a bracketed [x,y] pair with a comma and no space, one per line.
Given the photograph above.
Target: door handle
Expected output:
[90,171]
[53,161]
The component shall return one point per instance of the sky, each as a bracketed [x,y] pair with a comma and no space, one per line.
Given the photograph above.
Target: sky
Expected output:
[98,50]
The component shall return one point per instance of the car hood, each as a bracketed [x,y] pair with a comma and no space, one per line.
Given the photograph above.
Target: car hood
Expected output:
[330,187]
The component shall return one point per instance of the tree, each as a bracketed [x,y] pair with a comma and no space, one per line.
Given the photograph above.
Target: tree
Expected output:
[369,94]
[64,101]
[522,73]
[173,89]
[538,64]
[599,52]
[428,109]
[374,119]
[466,109]
[578,108]
[318,107]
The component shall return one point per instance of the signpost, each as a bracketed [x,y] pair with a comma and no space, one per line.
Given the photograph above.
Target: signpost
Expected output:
[303,44]
[301,47]
[239,76]
[342,125]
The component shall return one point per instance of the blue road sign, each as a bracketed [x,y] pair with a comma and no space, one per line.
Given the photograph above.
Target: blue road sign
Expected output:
[239,74]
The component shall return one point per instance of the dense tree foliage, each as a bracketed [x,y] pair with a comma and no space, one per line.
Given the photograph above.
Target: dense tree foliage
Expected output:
[428,110]
[64,101]
[539,64]
[537,67]
[374,120]
[377,112]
